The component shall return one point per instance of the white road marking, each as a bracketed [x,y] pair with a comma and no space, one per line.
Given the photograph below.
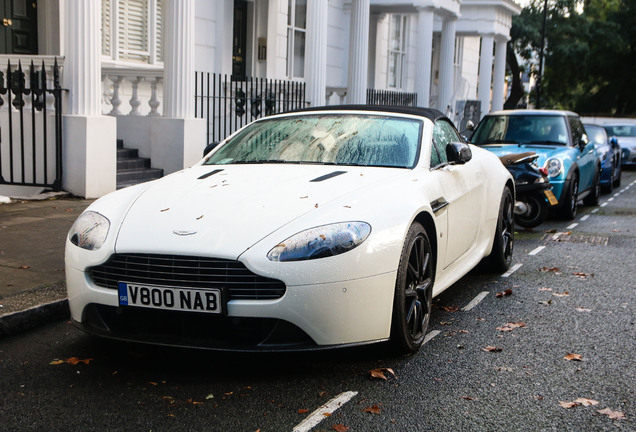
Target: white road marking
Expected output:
[574,225]
[616,194]
[512,269]
[584,218]
[604,204]
[537,250]
[611,199]
[595,210]
[475,301]
[319,415]
[430,336]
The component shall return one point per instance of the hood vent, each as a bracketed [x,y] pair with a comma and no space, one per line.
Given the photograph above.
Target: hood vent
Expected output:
[328,176]
[211,173]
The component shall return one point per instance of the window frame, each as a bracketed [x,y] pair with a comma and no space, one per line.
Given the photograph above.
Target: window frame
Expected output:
[292,29]
[396,79]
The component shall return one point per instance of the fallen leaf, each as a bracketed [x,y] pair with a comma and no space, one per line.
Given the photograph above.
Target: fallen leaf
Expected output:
[546,303]
[504,293]
[210,396]
[75,360]
[504,329]
[469,398]
[516,325]
[450,308]
[57,362]
[490,348]
[200,217]
[164,210]
[152,383]
[375,409]
[25,267]
[545,289]
[340,427]
[563,294]
[583,275]
[327,414]
[303,411]
[568,404]
[614,415]
[586,402]
[379,373]
[573,357]
[549,269]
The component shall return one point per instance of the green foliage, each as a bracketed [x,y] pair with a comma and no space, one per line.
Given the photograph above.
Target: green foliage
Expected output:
[590,53]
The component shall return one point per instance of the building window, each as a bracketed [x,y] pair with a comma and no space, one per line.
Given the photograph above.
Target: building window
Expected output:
[131,30]
[398,43]
[296,32]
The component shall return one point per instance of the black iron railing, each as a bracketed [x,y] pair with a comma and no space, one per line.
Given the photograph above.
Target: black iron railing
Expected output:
[391,98]
[30,152]
[228,105]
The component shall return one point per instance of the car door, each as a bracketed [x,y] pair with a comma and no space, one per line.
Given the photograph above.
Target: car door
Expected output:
[587,155]
[463,193]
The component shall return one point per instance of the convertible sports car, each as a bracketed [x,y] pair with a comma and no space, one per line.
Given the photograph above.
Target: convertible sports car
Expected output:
[313,229]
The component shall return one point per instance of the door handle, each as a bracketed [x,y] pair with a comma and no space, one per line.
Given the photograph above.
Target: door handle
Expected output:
[7,22]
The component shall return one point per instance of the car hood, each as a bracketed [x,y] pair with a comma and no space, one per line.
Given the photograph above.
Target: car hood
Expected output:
[544,151]
[224,210]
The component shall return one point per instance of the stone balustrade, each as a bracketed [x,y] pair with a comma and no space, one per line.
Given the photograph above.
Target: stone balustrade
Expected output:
[141,88]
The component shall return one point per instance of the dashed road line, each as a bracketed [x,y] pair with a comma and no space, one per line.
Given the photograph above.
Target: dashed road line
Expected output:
[584,218]
[512,269]
[474,302]
[595,210]
[321,413]
[604,204]
[610,199]
[574,225]
[537,250]
[430,336]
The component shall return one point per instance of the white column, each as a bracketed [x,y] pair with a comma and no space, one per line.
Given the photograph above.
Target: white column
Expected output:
[424,56]
[499,81]
[316,54]
[358,51]
[178,90]
[446,70]
[82,65]
[485,72]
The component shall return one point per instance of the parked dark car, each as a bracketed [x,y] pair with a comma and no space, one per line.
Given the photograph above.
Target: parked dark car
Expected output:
[558,137]
[625,133]
[609,152]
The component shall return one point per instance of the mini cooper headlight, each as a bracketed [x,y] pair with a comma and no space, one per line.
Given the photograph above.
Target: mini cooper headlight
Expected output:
[89,231]
[554,167]
[320,242]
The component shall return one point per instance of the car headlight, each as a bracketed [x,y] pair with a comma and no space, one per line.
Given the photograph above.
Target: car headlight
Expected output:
[554,167]
[320,242]
[89,230]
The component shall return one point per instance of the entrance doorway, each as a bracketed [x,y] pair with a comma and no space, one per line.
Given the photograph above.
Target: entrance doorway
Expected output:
[18,28]
[239,41]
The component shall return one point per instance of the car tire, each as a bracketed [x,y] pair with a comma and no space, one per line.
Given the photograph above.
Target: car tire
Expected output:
[617,180]
[500,257]
[538,211]
[570,204]
[413,292]
[594,196]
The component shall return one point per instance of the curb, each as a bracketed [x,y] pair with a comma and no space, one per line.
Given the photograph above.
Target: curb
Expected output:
[28,319]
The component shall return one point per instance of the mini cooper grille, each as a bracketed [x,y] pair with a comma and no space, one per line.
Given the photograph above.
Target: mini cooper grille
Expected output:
[187,272]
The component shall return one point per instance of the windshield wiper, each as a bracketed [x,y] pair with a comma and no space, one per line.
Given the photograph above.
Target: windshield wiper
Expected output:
[498,141]
[547,142]
[260,161]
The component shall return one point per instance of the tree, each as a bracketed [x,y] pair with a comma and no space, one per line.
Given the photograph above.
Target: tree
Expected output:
[590,55]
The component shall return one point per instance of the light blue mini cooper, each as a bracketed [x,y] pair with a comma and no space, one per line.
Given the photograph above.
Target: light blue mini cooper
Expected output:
[564,150]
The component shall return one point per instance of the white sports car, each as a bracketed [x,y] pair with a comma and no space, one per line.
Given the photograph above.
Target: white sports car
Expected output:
[313,229]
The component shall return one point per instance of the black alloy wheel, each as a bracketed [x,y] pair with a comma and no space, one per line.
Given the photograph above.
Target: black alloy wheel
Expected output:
[413,292]
[571,198]
[500,257]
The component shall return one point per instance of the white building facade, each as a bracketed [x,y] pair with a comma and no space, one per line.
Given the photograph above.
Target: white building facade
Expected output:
[129,65]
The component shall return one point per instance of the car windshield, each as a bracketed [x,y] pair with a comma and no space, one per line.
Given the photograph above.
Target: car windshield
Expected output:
[342,139]
[596,134]
[521,129]
[621,131]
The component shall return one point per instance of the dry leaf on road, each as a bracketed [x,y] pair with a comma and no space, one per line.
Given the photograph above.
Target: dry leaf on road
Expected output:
[573,357]
[614,415]
[379,373]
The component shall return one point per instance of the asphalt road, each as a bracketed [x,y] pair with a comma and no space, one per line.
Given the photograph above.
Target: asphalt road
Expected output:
[565,332]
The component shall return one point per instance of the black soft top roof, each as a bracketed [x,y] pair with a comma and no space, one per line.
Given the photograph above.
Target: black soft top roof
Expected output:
[429,113]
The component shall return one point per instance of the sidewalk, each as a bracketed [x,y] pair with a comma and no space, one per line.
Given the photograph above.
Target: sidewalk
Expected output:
[32,238]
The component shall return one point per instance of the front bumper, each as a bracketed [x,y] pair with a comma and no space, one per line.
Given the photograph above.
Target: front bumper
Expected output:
[308,316]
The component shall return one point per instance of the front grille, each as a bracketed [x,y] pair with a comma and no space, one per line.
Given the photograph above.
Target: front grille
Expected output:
[233,277]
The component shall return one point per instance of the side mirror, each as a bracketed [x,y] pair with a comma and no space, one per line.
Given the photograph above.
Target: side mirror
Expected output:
[458,153]
[468,132]
[583,141]
[613,141]
[470,125]
[210,147]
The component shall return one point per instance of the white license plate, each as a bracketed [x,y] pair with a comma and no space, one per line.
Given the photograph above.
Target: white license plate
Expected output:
[170,298]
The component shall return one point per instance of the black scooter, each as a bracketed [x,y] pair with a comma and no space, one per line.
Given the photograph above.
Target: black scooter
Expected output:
[534,194]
